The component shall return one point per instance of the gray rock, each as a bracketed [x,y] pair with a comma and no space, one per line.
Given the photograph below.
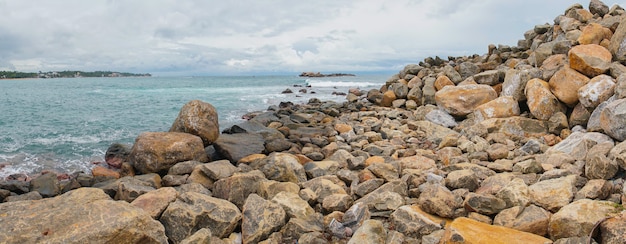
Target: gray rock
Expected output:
[183,168]
[33,195]
[46,184]
[576,219]
[218,170]
[316,169]
[412,222]
[174,180]
[515,193]
[489,77]
[451,73]
[528,167]
[322,188]
[462,179]
[554,193]
[268,189]
[194,211]
[442,118]
[296,228]
[130,190]
[387,197]
[595,189]
[613,119]
[598,7]
[356,215]
[84,215]
[618,154]
[368,186]
[237,146]
[260,218]
[483,204]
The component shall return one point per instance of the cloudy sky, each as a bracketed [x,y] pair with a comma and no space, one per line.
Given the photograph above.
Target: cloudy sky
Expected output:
[210,37]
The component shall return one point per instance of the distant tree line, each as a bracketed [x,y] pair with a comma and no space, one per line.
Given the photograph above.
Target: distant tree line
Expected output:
[66,74]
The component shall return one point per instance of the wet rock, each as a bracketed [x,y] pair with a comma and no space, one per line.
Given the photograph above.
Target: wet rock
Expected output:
[198,118]
[590,60]
[578,218]
[193,211]
[462,100]
[465,230]
[530,219]
[234,147]
[372,231]
[411,221]
[437,199]
[157,151]
[116,154]
[260,218]
[155,202]
[598,90]
[554,193]
[236,188]
[565,84]
[613,119]
[84,215]
[541,102]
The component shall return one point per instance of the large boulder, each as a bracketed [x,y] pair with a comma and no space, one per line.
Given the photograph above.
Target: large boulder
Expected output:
[194,211]
[565,83]
[613,119]
[541,102]
[590,60]
[554,193]
[515,83]
[85,215]
[618,42]
[240,145]
[157,151]
[462,100]
[465,230]
[579,218]
[598,90]
[200,119]
[260,219]
[501,107]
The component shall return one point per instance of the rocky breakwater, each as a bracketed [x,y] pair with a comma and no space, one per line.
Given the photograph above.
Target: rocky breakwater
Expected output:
[524,144]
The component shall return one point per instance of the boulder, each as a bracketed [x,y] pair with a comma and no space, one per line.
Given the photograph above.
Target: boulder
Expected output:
[483,204]
[530,219]
[462,100]
[618,42]
[578,218]
[412,221]
[501,107]
[84,215]
[554,193]
[46,184]
[372,231]
[595,189]
[260,219]
[551,65]
[578,143]
[268,189]
[198,118]
[293,205]
[598,90]
[129,190]
[565,83]
[515,83]
[155,202]
[613,119]
[613,229]
[465,230]
[489,77]
[116,154]
[443,81]
[236,188]
[218,170]
[541,102]
[594,33]
[598,7]
[234,147]
[157,151]
[618,154]
[183,168]
[590,60]
[517,126]
[437,199]
[282,167]
[193,211]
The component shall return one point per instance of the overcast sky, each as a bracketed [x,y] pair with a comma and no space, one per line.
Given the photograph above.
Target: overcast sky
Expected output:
[172,37]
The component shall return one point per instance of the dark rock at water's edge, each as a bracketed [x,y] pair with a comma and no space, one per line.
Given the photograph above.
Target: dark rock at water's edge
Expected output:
[318,74]
[521,145]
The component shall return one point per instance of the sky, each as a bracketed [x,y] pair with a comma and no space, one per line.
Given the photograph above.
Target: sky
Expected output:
[245,37]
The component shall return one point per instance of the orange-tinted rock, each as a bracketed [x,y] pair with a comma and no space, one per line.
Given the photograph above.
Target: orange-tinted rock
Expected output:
[156,151]
[251,158]
[443,81]
[579,217]
[200,119]
[343,128]
[462,100]
[565,84]
[103,172]
[594,34]
[465,230]
[590,59]
[155,202]
[501,107]
[541,103]
[374,159]
[388,98]
[517,125]
[598,90]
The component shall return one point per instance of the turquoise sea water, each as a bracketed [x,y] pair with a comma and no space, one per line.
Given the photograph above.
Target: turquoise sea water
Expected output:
[65,124]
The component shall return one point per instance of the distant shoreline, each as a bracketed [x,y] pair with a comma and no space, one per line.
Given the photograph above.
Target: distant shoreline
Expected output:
[67,74]
[318,74]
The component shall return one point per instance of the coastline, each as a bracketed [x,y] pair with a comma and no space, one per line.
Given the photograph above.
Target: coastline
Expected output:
[442,152]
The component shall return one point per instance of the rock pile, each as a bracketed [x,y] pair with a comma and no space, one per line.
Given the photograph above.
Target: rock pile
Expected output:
[524,144]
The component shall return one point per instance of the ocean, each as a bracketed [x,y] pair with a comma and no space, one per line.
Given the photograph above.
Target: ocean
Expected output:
[65,124]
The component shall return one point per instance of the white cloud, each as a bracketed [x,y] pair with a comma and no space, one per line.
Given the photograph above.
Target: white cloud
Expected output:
[170,37]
